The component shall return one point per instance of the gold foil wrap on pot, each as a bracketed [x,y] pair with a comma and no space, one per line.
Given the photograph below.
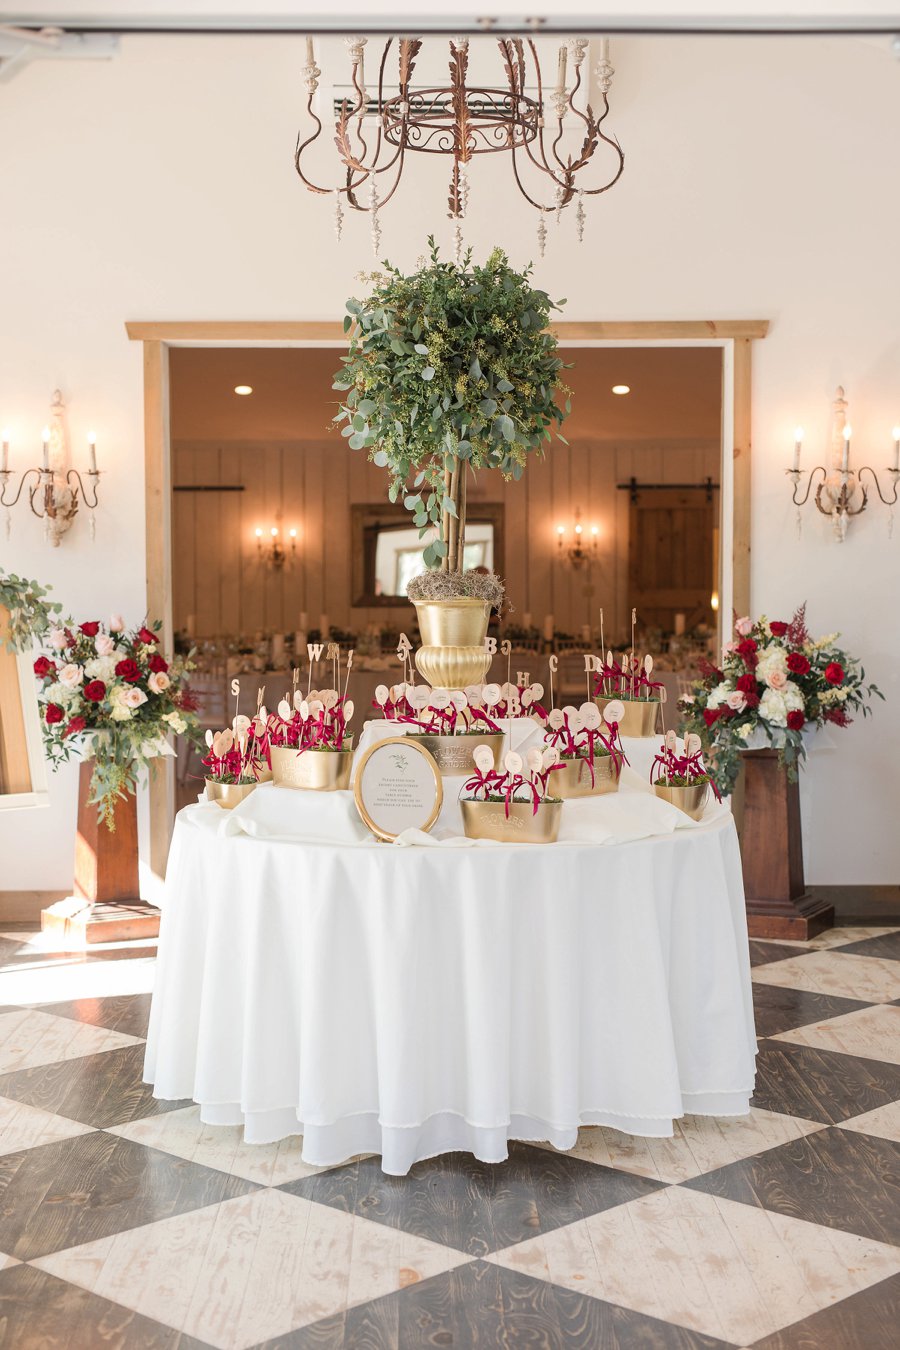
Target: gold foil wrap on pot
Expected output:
[691,800]
[313,770]
[574,778]
[639,718]
[488,820]
[453,754]
[452,654]
[228,795]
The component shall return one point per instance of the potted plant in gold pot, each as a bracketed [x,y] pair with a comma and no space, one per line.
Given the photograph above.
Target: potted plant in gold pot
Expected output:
[450,370]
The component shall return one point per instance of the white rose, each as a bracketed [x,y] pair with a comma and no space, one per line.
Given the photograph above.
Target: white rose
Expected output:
[736,700]
[746,731]
[133,697]
[71,676]
[158,682]
[119,713]
[776,679]
[719,695]
[57,638]
[119,709]
[105,644]
[116,623]
[744,626]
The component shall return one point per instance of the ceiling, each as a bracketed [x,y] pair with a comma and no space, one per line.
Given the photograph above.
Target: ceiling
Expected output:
[675,393]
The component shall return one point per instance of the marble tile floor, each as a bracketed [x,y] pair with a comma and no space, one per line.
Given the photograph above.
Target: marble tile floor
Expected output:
[126,1224]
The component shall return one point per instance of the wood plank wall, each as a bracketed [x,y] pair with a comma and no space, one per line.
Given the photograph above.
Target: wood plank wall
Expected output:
[310,485]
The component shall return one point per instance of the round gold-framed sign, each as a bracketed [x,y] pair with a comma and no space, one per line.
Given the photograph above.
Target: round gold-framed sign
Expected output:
[397,787]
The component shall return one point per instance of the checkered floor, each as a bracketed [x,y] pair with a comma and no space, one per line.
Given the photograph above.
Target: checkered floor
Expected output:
[126,1223]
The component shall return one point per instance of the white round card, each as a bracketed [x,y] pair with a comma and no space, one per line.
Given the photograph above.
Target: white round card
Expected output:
[398,787]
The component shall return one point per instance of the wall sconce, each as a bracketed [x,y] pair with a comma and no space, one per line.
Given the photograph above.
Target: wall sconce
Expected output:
[274,554]
[53,496]
[841,493]
[584,548]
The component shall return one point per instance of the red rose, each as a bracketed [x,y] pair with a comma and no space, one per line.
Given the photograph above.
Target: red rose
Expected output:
[44,667]
[795,720]
[834,673]
[90,629]
[752,699]
[94,691]
[747,647]
[797,663]
[157,664]
[778,628]
[146,636]
[53,713]
[77,724]
[746,683]
[129,670]
[711,715]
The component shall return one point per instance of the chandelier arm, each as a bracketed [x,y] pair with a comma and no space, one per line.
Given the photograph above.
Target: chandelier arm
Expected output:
[45,481]
[888,501]
[537,205]
[793,473]
[7,474]
[95,474]
[543,163]
[301,147]
[359,111]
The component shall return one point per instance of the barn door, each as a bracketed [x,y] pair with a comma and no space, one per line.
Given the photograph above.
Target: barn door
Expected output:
[672,566]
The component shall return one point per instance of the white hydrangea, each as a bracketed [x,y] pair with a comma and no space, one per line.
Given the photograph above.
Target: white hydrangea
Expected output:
[101,668]
[119,710]
[61,694]
[775,704]
[771,658]
[718,695]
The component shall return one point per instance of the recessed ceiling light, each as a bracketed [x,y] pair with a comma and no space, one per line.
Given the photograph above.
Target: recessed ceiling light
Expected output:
[621,388]
[243,389]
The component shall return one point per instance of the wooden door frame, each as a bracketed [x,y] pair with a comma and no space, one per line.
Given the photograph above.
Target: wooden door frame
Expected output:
[735,337]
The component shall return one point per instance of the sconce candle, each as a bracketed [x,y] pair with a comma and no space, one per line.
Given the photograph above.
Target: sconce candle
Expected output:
[45,438]
[798,446]
[845,459]
[92,450]
[896,435]
[4,454]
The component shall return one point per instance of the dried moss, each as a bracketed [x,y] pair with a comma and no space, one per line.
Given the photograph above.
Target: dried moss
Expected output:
[437,585]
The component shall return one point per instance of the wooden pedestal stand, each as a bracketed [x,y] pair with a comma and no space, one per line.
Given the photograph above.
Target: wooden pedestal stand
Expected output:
[106,906]
[778,903]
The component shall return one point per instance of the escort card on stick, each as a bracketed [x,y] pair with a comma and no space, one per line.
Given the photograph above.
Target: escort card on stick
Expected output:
[397,787]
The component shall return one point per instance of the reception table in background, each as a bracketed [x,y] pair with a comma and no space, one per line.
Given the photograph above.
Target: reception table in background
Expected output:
[409,1001]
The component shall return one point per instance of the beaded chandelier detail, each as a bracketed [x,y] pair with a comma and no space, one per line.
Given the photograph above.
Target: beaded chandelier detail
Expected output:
[374,131]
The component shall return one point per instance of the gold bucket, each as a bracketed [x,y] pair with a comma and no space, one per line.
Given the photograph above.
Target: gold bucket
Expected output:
[228,795]
[523,825]
[574,779]
[452,654]
[691,800]
[453,754]
[313,770]
[639,718]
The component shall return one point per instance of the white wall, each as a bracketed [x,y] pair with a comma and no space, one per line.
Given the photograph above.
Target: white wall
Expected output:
[760,182]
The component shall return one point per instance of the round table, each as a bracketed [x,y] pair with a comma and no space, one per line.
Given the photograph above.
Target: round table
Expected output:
[414,1001]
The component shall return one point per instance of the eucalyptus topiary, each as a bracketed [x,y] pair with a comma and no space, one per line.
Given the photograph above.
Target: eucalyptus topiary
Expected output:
[450,369]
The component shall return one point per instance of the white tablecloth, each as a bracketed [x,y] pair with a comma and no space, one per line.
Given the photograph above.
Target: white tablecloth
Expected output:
[415,1001]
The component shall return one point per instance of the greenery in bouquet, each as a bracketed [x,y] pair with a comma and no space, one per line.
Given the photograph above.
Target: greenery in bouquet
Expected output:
[108,694]
[777,680]
[449,369]
[31,614]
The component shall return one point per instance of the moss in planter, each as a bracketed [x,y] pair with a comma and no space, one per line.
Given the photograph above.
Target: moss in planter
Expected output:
[678,780]
[437,585]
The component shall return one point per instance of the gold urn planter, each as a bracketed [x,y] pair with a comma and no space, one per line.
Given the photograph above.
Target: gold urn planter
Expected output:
[691,798]
[523,825]
[640,715]
[452,653]
[311,770]
[574,778]
[453,754]
[228,795]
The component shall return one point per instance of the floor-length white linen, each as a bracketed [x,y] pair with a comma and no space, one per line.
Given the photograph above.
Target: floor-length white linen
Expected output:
[413,1001]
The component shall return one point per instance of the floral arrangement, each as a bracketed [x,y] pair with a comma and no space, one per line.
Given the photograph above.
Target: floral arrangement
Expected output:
[449,368]
[684,769]
[775,680]
[236,755]
[628,678]
[110,693]
[31,614]
[317,722]
[585,733]
[489,784]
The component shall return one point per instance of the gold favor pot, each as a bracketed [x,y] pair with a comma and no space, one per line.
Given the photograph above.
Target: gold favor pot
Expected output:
[523,825]
[227,795]
[574,778]
[452,654]
[639,718]
[453,754]
[691,800]
[314,770]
